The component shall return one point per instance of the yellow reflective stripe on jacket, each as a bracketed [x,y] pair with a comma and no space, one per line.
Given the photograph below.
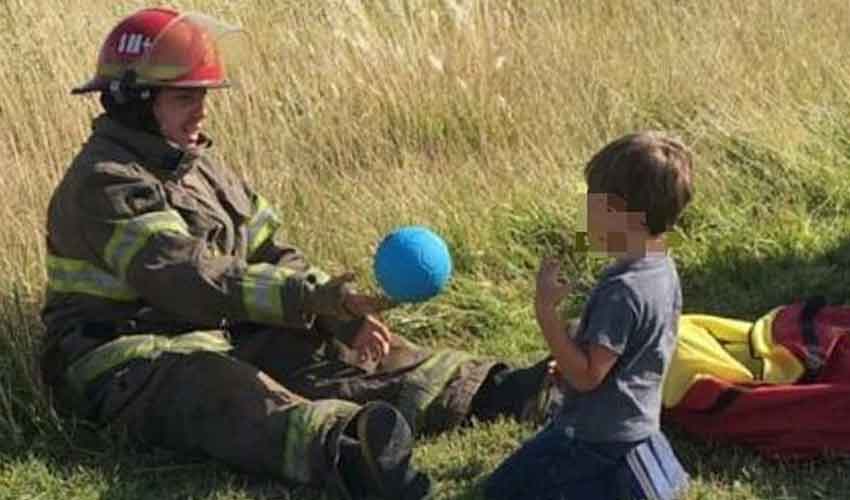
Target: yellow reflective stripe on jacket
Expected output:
[262,225]
[79,276]
[305,422]
[129,347]
[262,292]
[320,276]
[426,382]
[131,235]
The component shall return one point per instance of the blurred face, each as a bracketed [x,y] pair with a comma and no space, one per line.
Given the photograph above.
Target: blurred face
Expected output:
[180,114]
[609,226]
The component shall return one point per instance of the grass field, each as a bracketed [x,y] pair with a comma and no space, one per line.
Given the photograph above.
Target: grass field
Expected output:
[474,117]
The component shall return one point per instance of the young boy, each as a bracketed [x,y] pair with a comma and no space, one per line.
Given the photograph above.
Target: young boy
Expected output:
[611,371]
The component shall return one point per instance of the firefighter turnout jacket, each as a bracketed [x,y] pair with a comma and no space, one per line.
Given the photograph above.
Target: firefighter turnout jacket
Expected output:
[155,249]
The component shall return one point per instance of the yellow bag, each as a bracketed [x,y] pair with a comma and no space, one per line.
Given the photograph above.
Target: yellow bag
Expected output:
[731,350]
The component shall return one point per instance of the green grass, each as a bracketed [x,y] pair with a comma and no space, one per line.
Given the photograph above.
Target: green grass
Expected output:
[473,117]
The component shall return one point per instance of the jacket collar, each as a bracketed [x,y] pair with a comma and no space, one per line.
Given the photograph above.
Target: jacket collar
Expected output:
[153,150]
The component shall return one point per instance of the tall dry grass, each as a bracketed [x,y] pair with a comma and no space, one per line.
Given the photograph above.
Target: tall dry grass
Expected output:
[368,113]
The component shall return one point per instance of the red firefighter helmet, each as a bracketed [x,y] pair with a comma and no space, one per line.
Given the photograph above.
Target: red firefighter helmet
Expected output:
[161,47]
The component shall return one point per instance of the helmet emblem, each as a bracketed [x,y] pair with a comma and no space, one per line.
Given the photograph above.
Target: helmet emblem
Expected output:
[133,43]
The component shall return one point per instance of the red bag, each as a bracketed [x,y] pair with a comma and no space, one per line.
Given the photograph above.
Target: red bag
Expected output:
[798,418]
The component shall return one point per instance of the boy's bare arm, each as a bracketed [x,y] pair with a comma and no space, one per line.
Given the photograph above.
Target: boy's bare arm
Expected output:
[584,369]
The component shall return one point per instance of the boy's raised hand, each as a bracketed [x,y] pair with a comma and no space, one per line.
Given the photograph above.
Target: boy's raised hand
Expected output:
[552,287]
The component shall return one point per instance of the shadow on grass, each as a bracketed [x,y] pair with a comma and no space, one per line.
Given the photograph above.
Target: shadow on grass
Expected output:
[731,282]
[728,471]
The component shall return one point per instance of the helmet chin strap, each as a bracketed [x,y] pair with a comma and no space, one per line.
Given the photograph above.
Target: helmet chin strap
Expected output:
[126,90]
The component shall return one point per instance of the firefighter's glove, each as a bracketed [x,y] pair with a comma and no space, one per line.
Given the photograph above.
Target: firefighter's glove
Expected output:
[339,299]
[330,297]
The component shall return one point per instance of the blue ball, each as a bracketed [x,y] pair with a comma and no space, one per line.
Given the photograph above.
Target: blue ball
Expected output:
[412,264]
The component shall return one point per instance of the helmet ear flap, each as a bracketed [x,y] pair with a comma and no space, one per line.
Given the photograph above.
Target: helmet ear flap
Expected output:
[126,90]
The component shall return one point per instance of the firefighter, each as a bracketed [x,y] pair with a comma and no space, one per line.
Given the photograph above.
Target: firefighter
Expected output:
[173,311]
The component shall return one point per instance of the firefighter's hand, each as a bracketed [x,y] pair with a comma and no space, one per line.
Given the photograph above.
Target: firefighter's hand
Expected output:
[328,298]
[339,299]
[364,305]
[372,340]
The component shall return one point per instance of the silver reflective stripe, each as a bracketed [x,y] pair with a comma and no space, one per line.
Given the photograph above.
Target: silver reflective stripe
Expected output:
[262,292]
[129,347]
[262,225]
[642,478]
[131,235]
[78,276]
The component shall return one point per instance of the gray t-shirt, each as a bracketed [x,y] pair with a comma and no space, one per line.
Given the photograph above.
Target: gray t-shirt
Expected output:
[633,311]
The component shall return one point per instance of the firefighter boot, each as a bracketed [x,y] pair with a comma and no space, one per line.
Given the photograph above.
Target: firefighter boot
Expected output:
[375,452]
[526,394]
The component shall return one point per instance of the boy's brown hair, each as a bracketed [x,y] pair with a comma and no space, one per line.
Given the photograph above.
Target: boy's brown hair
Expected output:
[650,170]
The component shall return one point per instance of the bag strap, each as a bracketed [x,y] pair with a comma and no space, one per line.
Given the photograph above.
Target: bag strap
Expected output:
[814,358]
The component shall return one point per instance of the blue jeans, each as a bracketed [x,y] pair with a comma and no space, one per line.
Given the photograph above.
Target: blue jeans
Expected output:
[554,466]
